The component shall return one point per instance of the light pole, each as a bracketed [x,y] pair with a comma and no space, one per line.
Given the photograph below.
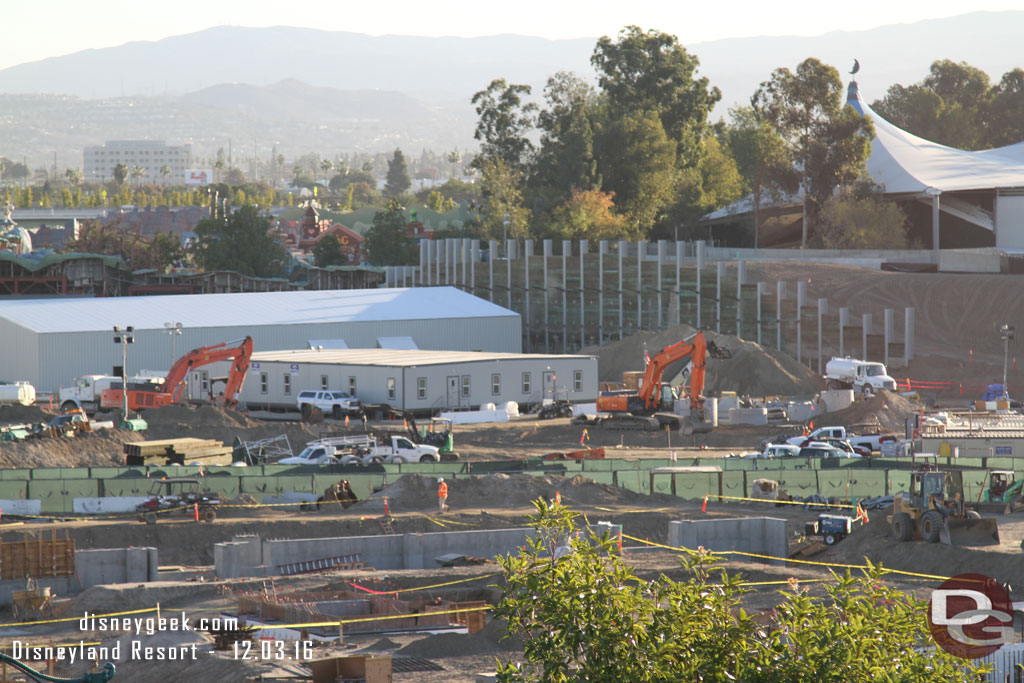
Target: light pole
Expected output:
[1006,332]
[173,329]
[124,338]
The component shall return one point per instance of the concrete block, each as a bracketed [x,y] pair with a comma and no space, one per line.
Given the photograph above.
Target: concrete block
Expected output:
[136,565]
[20,507]
[113,565]
[986,260]
[748,416]
[837,399]
[757,535]
[106,505]
[799,412]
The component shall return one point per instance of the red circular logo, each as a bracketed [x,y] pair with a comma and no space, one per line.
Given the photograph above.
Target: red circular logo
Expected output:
[970,616]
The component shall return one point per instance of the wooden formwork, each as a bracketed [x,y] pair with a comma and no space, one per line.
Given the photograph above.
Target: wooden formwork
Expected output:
[37,557]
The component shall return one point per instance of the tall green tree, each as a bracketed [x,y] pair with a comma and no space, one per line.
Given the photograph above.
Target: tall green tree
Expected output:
[827,140]
[502,215]
[504,122]
[327,252]
[652,71]
[583,614]
[241,241]
[398,175]
[387,241]
[120,173]
[1003,120]
[761,158]
[638,162]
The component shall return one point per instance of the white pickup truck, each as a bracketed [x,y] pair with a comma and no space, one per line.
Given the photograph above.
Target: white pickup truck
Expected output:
[392,450]
[362,449]
[872,442]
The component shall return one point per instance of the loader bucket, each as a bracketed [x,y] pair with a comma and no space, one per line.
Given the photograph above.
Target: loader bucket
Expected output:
[970,531]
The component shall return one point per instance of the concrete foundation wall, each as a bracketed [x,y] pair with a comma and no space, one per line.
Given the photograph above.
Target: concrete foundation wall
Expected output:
[406,551]
[99,506]
[760,535]
[116,565]
[972,261]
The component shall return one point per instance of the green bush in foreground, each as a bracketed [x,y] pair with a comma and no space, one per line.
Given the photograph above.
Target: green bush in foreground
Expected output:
[585,616]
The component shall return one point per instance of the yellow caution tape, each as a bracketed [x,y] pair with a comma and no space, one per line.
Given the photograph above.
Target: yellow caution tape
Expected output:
[385,617]
[91,616]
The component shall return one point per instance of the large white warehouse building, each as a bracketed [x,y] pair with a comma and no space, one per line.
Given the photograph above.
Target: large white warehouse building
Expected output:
[50,342]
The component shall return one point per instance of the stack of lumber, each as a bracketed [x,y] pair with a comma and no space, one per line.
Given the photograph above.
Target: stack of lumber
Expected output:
[177,452]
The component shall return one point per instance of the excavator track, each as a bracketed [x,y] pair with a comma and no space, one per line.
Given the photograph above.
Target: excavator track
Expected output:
[634,423]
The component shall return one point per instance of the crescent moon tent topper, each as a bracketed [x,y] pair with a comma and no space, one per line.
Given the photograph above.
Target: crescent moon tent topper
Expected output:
[856,67]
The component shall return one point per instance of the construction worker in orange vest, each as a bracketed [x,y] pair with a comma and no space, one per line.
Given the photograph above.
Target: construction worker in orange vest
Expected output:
[442,494]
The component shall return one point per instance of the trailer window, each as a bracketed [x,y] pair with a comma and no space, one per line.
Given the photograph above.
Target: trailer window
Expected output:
[391,388]
[527,383]
[352,386]
[287,384]
[577,380]
[323,382]
[264,383]
[421,388]
[466,386]
[496,384]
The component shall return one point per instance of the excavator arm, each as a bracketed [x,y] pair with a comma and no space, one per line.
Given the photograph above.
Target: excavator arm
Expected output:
[694,348]
[174,384]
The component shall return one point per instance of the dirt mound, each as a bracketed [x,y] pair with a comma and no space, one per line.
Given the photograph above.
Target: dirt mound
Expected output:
[753,369]
[190,417]
[886,409]
[19,414]
[491,638]
[414,492]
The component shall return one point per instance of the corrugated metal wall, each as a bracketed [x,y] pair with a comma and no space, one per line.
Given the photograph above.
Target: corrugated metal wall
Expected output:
[61,357]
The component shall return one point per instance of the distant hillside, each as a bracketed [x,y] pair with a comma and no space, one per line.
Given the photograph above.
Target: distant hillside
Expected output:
[308,90]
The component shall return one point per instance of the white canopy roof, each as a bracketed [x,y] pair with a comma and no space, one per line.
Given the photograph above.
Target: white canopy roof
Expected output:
[905,163]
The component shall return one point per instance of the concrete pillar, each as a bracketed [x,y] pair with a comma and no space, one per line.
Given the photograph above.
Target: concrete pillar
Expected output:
[584,248]
[508,274]
[424,257]
[844,322]
[547,315]
[887,322]
[680,251]
[700,266]
[719,272]
[449,259]
[566,252]
[602,249]
[908,334]
[437,261]
[780,291]
[622,251]
[741,276]
[641,249]
[762,289]
[801,299]
[466,251]
[527,253]
[935,221]
[492,253]
[822,310]
[661,299]
[866,332]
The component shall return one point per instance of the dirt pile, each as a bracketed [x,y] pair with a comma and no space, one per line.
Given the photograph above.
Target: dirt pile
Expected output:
[753,369]
[414,492]
[181,416]
[886,409]
[19,414]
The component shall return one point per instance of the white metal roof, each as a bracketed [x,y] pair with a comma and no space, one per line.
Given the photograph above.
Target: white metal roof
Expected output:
[395,357]
[906,163]
[249,309]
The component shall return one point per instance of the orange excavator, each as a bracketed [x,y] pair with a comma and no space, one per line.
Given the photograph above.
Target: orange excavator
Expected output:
[170,391]
[651,407]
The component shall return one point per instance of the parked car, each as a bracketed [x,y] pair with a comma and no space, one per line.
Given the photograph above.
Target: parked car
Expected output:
[337,404]
[841,444]
[823,450]
[775,450]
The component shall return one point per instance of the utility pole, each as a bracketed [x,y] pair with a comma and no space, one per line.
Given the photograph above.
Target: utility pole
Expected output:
[1006,332]
[124,338]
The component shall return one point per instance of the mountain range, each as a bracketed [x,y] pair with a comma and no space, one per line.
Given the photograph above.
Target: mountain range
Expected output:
[311,90]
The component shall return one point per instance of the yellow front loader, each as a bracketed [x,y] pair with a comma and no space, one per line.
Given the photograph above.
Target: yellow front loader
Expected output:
[934,510]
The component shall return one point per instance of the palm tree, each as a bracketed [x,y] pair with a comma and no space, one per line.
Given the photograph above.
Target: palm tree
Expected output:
[326,166]
[75,176]
[218,167]
[454,158]
[138,173]
[165,171]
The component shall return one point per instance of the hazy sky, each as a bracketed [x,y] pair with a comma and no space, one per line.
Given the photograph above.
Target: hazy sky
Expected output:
[58,27]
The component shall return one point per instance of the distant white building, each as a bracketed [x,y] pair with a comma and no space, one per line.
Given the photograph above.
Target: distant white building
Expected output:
[151,155]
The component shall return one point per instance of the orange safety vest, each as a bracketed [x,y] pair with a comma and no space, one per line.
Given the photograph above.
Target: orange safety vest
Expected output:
[442,490]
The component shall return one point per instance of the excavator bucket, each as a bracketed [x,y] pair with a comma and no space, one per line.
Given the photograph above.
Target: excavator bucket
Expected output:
[689,425]
[970,531]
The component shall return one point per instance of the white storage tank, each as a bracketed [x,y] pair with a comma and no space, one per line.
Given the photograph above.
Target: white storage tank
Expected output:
[19,392]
